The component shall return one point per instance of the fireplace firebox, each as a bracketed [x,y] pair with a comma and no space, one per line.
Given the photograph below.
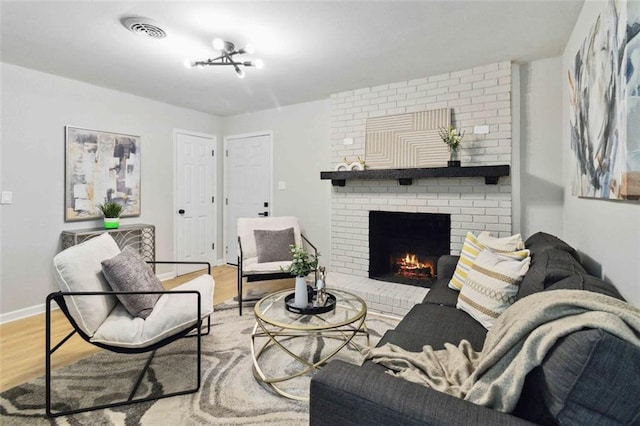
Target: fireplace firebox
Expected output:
[404,247]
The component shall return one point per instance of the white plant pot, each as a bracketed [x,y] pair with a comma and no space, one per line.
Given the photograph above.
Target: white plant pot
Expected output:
[300,300]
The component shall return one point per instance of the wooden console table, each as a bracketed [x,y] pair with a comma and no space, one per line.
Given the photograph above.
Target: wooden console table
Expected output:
[139,236]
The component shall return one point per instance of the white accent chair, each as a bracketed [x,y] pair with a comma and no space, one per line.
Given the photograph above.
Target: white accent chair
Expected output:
[96,314]
[249,265]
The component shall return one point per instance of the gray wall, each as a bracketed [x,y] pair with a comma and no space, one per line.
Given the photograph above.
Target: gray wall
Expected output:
[300,152]
[541,190]
[606,232]
[37,106]
[35,109]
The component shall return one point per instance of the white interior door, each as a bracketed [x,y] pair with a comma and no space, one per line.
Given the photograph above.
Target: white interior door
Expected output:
[195,200]
[248,184]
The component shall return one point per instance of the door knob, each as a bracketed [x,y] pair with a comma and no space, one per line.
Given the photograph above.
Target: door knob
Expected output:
[181,211]
[263,214]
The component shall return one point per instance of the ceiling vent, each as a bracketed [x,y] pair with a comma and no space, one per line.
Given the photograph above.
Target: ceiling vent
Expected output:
[144,27]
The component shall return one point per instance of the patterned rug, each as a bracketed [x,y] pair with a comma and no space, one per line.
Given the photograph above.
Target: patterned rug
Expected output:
[229,394]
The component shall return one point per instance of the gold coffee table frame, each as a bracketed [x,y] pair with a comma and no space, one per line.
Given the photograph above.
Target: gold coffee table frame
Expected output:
[276,324]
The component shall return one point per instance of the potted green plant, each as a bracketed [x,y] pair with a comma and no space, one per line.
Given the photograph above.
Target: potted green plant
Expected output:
[111,212]
[452,137]
[302,264]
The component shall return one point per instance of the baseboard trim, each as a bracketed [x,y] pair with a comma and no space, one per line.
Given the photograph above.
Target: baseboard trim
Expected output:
[25,313]
[166,276]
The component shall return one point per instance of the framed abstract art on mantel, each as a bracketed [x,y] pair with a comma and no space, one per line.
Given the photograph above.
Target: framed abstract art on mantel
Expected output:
[100,166]
[604,94]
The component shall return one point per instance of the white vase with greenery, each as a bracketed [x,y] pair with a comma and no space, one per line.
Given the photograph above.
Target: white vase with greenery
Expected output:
[302,264]
[452,137]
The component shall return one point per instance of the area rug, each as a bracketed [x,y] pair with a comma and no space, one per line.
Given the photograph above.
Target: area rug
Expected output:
[229,394]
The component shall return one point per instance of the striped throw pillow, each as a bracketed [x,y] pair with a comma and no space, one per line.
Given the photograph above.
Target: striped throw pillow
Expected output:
[474,245]
[492,284]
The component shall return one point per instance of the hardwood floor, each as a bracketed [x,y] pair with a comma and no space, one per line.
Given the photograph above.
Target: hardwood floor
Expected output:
[22,342]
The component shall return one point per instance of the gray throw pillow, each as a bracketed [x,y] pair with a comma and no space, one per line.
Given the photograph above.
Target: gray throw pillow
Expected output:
[274,246]
[129,272]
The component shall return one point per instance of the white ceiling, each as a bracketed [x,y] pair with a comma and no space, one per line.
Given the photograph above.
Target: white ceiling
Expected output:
[310,48]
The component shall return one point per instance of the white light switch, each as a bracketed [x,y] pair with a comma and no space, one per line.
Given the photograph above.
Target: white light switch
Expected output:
[7,197]
[480,130]
[282,185]
[347,141]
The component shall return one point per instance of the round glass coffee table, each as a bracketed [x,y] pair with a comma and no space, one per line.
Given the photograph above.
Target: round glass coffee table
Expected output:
[278,329]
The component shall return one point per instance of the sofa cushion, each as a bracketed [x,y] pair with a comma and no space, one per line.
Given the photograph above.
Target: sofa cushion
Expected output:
[586,282]
[491,285]
[246,226]
[79,268]
[540,242]
[588,377]
[435,325]
[473,245]
[446,266]
[274,245]
[173,313]
[547,268]
[128,271]
[440,294]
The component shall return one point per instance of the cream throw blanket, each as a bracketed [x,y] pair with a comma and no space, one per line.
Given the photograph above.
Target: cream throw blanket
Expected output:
[518,341]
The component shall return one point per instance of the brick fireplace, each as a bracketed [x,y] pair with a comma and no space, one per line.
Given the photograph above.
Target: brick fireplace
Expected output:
[404,247]
[476,96]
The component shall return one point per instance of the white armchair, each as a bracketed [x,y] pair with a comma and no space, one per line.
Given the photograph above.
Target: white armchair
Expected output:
[264,248]
[98,315]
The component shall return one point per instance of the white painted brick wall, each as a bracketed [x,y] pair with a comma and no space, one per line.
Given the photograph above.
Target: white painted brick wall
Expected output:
[477,96]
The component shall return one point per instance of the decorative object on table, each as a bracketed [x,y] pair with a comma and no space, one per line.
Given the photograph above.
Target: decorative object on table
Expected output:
[604,106]
[452,137]
[302,265]
[111,212]
[311,308]
[406,140]
[321,288]
[98,166]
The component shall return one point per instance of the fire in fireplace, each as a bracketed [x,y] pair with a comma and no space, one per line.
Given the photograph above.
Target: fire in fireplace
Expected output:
[410,267]
[404,247]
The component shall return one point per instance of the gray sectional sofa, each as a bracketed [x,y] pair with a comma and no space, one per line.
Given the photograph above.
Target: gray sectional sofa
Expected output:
[589,377]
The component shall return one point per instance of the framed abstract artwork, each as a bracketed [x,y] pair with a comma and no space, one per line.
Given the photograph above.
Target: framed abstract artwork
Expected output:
[99,167]
[604,94]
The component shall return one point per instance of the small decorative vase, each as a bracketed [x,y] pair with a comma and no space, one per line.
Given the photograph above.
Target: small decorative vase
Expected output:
[111,222]
[301,299]
[454,158]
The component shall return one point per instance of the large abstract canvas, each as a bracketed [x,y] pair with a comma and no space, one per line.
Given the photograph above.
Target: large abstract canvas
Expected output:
[100,166]
[604,85]
[407,140]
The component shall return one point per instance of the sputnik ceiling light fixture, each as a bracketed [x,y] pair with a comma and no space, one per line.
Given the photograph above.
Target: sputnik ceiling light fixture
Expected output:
[227,53]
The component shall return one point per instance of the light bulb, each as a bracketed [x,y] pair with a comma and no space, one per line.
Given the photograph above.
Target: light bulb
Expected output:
[240,72]
[188,64]
[218,43]
[258,64]
[249,49]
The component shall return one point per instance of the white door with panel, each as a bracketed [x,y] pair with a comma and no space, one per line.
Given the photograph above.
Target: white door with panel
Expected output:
[248,184]
[195,200]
